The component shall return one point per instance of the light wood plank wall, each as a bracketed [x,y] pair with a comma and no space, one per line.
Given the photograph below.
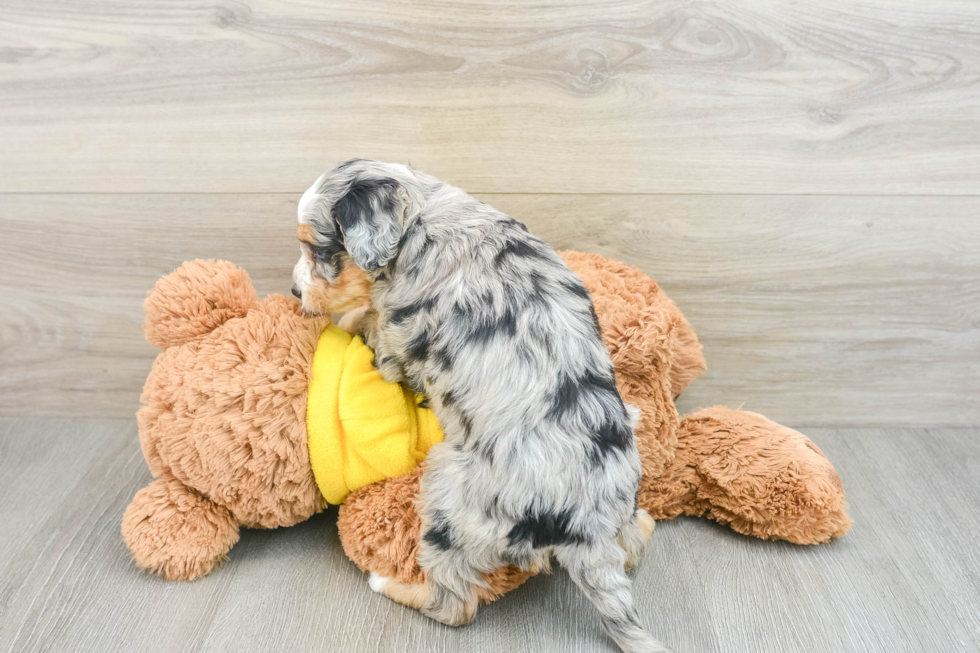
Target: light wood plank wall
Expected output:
[804,180]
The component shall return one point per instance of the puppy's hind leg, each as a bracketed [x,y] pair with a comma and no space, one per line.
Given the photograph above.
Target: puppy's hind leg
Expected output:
[449,593]
[451,584]
[455,548]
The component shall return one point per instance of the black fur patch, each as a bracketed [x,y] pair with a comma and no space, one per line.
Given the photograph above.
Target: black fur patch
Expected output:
[595,322]
[487,329]
[519,248]
[355,208]
[449,399]
[511,222]
[439,534]
[613,435]
[486,450]
[461,313]
[403,313]
[418,347]
[378,363]
[614,432]
[544,528]
[492,508]
[445,359]
[568,395]
[467,423]
[472,310]
[538,294]
[576,288]
[356,204]
[389,201]
[330,255]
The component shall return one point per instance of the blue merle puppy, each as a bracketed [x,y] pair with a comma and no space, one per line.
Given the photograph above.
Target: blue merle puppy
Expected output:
[487,321]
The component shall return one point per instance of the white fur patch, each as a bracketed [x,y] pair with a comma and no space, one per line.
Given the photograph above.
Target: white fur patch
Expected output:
[309,197]
[377,582]
[635,414]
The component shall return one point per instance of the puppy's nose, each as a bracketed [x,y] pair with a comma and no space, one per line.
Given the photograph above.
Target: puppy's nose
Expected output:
[296,292]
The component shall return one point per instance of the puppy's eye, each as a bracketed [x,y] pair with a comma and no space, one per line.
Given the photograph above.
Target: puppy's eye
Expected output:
[319,254]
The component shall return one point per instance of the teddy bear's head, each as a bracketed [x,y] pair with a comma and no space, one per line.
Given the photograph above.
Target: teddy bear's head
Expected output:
[224,406]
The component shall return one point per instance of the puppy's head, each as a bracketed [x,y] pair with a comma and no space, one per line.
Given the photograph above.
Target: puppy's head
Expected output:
[350,222]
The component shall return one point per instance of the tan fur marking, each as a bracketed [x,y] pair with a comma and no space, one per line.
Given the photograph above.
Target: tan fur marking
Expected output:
[358,320]
[467,615]
[411,594]
[306,233]
[415,595]
[351,290]
[647,524]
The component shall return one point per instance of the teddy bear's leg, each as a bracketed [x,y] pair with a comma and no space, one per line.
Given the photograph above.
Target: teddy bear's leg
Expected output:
[380,528]
[175,532]
[761,478]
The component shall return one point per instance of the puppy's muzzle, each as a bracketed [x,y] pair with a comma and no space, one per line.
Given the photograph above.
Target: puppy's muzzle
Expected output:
[297,293]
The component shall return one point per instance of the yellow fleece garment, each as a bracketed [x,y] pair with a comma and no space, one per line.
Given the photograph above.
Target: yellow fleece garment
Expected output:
[360,428]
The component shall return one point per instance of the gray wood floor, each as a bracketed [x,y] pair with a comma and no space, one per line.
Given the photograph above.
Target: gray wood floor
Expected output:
[907,577]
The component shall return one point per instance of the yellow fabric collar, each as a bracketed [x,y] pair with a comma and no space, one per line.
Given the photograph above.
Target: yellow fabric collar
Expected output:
[360,428]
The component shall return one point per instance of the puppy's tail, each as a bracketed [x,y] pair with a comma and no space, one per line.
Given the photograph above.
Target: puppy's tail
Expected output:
[598,569]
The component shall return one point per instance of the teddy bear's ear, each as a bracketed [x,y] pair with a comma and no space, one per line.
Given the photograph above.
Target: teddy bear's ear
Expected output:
[195,299]
[370,216]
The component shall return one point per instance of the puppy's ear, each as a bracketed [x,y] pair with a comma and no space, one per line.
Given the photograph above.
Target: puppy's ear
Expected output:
[370,217]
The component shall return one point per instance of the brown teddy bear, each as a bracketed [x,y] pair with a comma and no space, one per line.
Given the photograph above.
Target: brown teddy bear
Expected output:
[223,428]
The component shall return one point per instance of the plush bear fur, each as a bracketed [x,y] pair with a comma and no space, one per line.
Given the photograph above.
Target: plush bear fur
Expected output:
[223,432]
